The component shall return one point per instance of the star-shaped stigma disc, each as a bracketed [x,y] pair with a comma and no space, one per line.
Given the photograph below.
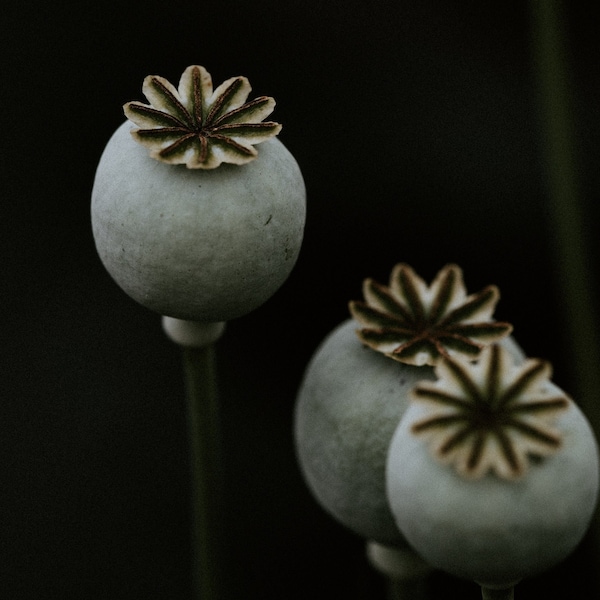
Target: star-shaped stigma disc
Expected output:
[492,415]
[417,324]
[199,127]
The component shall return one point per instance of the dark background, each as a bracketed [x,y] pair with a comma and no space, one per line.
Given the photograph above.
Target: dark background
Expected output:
[416,127]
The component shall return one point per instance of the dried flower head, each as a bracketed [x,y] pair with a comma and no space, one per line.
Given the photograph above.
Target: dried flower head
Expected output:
[417,324]
[199,127]
[492,415]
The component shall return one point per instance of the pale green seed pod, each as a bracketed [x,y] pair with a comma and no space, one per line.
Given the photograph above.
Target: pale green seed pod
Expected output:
[197,244]
[349,404]
[486,499]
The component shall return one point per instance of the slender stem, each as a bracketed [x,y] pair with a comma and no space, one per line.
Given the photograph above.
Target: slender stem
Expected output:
[406,573]
[205,457]
[564,201]
[408,589]
[503,594]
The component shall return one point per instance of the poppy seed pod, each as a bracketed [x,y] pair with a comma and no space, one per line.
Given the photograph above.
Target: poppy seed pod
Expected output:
[492,474]
[348,406]
[181,233]
[357,384]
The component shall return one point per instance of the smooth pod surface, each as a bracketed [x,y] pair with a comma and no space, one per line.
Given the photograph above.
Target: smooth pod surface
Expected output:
[491,530]
[348,406]
[196,244]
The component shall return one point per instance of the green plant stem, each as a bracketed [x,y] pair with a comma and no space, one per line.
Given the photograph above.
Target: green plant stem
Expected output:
[572,258]
[503,594]
[407,589]
[205,458]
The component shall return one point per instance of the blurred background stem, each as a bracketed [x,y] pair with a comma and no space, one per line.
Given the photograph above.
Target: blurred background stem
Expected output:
[410,589]
[567,220]
[503,594]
